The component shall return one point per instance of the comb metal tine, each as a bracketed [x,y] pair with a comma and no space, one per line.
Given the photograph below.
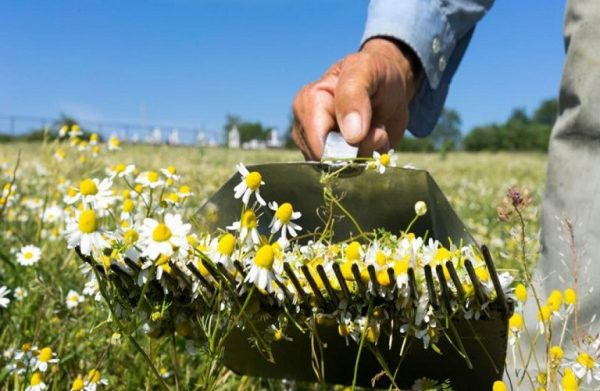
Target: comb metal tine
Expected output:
[332,295]
[200,277]
[412,284]
[294,279]
[238,266]
[373,277]
[313,285]
[340,277]
[439,270]
[479,295]
[392,277]
[487,257]
[456,281]
[359,282]
[134,266]
[431,287]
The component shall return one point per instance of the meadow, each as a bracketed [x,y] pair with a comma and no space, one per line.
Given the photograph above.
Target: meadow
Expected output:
[48,304]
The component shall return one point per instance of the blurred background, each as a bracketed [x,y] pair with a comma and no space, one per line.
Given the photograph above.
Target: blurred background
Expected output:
[189,72]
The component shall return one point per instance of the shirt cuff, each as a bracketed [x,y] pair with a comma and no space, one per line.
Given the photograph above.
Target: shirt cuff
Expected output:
[419,24]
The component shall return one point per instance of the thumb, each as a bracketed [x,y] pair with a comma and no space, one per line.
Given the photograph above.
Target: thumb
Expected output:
[352,99]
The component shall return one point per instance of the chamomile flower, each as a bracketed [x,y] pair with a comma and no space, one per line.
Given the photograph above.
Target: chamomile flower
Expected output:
[20,293]
[251,182]
[165,237]
[36,383]
[384,160]
[170,173]
[29,255]
[45,357]
[93,380]
[4,301]
[83,232]
[150,179]
[78,384]
[73,299]
[52,214]
[586,366]
[114,144]
[261,269]
[95,193]
[247,226]
[121,170]
[222,249]
[184,192]
[283,219]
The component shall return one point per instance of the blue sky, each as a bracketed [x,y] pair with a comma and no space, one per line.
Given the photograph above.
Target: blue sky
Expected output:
[191,62]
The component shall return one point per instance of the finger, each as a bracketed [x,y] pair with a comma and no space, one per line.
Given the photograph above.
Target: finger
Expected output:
[314,111]
[396,127]
[352,98]
[375,140]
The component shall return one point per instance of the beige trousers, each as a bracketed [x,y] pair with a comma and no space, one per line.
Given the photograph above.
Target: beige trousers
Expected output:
[573,178]
[570,236]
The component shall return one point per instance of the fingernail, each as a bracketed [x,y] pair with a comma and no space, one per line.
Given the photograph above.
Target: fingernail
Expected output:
[352,126]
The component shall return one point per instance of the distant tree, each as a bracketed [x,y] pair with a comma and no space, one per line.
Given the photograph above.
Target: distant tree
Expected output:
[519,133]
[446,135]
[547,112]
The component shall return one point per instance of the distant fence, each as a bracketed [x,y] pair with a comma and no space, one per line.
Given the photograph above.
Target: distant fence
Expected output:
[15,125]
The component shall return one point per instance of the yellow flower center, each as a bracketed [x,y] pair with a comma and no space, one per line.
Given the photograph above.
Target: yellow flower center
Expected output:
[78,384]
[545,313]
[128,206]
[36,379]
[380,258]
[570,296]
[94,376]
[184,189]
[264,257]
[152,176]
[482,273]
[284,213]
[521,293]
[161,233]
[554,300]
[88,187]
[383,278]
[120,167]
[384,159]
[131,236]
[139,188]
[248,219]
[499,386]
[173,197]
[401,266]
[372,334]
[253,180]
[226,244]
[343,330]
[172,170]
[28,255]
[556,353]
[45,354]
[586,360]
[569,381]
[352,251]
[88,222]
[515,322]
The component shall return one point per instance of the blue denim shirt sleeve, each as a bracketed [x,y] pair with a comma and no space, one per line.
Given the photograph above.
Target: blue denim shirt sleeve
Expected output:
[438,31]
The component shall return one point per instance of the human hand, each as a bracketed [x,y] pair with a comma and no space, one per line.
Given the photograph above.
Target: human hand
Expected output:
[365,95]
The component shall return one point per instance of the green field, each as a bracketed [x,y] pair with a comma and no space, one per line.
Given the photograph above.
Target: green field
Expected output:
[84,338]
